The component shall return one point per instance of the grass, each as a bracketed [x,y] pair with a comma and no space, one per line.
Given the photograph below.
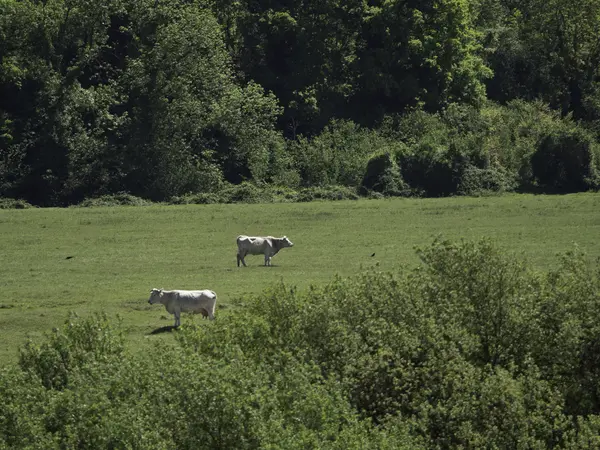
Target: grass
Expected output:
[53,261]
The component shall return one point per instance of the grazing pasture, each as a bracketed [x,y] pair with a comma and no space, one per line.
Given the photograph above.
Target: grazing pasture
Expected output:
[53,261]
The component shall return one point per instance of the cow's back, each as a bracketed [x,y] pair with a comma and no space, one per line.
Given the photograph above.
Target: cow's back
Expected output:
[253,244]
[194,300]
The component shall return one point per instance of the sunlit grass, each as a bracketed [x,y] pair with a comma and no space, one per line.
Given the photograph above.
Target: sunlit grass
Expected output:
[53,261]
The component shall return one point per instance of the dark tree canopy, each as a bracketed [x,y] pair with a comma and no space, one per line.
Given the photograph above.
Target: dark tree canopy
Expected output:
[160,98]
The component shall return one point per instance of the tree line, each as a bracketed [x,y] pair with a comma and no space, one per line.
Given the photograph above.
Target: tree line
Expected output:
[167,98]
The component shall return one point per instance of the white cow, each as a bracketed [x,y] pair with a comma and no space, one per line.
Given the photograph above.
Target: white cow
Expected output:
[179,301]
[254,245]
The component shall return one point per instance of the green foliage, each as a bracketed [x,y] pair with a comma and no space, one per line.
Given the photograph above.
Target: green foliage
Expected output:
[170,99]
[337,156]
[476,181]
[77,346]
[456,347]
[439,147]
[177,398]
[328,193]
[383,175]
[569,324]
[12,203]
[567,161]
[543,51]
[136,97]
[121,199]
[469,349]
[203,198]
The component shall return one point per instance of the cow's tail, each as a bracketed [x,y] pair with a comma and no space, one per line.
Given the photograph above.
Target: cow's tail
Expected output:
[214,307]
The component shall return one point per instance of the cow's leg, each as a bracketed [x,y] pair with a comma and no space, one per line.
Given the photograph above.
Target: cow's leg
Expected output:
[238,258]
[177,318]
[242,256]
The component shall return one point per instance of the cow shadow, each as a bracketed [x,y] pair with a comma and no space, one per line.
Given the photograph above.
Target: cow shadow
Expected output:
[164,329]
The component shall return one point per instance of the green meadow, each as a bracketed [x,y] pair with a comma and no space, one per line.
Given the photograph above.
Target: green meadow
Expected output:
[54,261]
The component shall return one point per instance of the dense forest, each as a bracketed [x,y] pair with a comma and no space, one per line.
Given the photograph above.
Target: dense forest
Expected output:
[167,98]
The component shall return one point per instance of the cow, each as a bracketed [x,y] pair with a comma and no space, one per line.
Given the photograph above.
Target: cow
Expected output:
[178,301]
[254,245]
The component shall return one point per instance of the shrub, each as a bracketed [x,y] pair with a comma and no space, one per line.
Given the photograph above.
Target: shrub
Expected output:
[11,203]
[430,169]
[282,194]
[203,198]
[121,199]
[566,161]
[244,193]
[439,147]
[327,193]
[568,346]
[383,175]
[227,400]
[514,133]
[22,402]
[79,343]
[451,348]
[337,156]
[476,181]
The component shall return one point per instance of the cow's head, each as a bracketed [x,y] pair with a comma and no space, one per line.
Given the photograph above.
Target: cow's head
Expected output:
[155,295]
[286,242]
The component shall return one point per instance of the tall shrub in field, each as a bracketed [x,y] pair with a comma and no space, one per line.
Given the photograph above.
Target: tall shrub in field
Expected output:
[567,161]
[383,175]
[337,156]
[514,133]
[439,147]
[523,145]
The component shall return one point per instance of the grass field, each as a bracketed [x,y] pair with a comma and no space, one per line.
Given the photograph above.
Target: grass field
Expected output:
[53,261]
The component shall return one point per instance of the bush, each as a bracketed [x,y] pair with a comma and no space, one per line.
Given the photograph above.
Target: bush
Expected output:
[327,193]
[11,203]
[203,198]
[566,161]
[383,175]
[432,170]
[244,193]
[514,133]
[121,199]
[337,156]
[67,350]
[439,147]
[228,400]
[476,181]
